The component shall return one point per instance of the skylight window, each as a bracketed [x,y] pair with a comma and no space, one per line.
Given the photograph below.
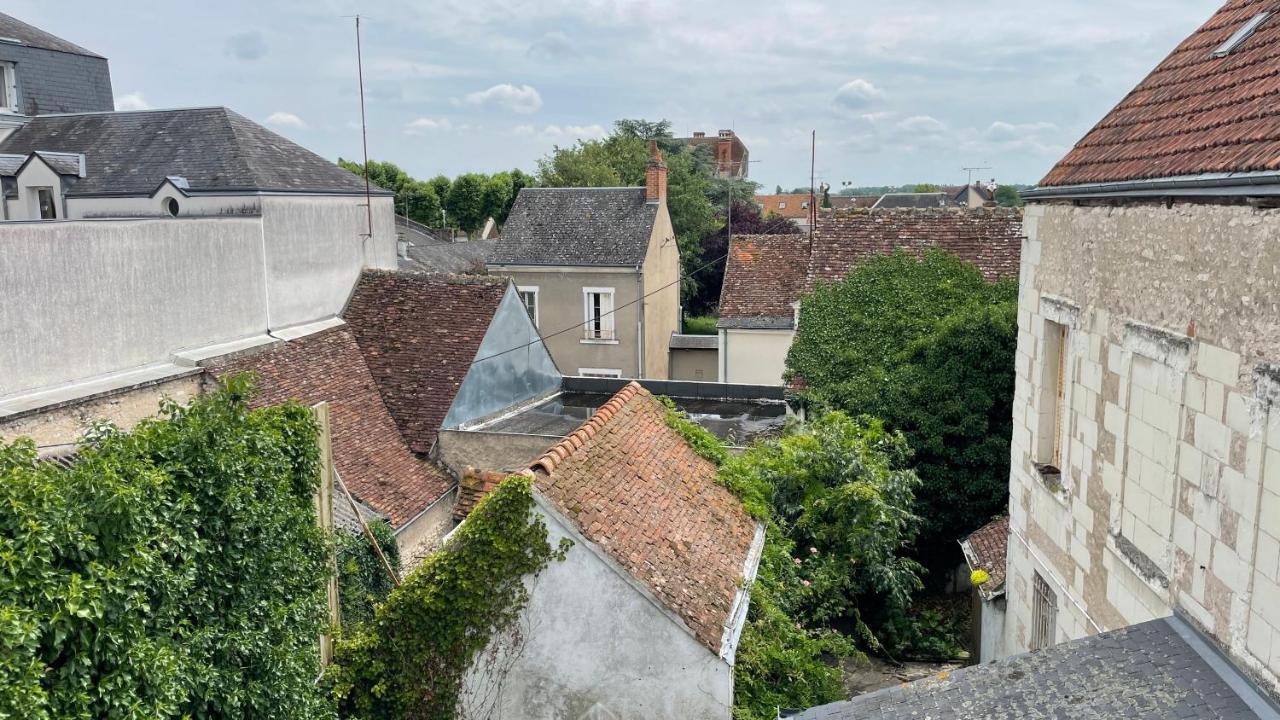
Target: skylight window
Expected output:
[1236,40]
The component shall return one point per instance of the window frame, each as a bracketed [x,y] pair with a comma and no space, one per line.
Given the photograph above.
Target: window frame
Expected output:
[1044,614]
[53,202]
[533,313]
[8,88]
[1050,443]
[607,316]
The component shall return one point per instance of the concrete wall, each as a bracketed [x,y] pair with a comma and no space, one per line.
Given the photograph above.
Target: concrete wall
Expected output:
[561,306]
[695,365]
[421,536]
[594,646]
[198,205]
[516,368]
[662,296]
[64,425]
[56,82]
[754,357]
[460,449]
[1169,496]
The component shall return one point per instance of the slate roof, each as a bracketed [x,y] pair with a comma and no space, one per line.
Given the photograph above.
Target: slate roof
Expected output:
[897,201]
[426,255]
[419,334]
[369,453]
[1153,671]
[848,202]
[694,342]
[12,28]
[763,276]
[215,149]
[608,227]
[990,238]
[635,488]
[988,548]
[1195,113]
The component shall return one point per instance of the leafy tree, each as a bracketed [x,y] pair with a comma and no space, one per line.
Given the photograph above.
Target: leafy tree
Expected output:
[498,196]
[1007,196]
[465,203]
[419,202]
[927,345]
[441,185]
[363,583]
[519,181]
[826,196]
[777,189]
[926,188]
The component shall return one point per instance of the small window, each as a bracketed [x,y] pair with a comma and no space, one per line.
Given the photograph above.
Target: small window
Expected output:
[1053,388]
[599,372]
[171,206]
[782,206]
[48,208]
[529,297]
[8,88]
[1044,614]
[598,313]
[1245,31]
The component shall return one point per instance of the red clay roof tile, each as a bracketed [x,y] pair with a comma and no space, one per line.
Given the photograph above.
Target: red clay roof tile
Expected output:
[989,548]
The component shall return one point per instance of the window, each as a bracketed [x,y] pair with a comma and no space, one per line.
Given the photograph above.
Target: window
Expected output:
[1241,35]
[1044,614]
[1053,388]
[8,88]
[782,206]
[48,209]
[529,296]
[171,206]
[599,372]
[598,313]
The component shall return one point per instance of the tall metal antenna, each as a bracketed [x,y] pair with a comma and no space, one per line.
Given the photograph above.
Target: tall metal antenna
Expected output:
[971,169]
[364,133]
[813,159]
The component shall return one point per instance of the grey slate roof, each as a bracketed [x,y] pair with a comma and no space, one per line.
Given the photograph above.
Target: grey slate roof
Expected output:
[12,28]
[913,200]
[131,153]
[1158,669]
[767,322]
[431,255]
[694,342]
[577,226]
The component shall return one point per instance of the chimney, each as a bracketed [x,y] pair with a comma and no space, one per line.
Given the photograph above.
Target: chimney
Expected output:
[655,176]
[699,134]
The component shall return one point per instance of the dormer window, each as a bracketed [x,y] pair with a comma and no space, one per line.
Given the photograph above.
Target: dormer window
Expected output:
[8,88]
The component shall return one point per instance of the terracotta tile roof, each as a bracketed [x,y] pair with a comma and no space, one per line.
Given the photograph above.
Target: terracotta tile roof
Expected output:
[369,452]
[474,485]
[635,488]
[987,548]
[990,238]
[796,205]
[419,334]
[763,276]
[1195,113]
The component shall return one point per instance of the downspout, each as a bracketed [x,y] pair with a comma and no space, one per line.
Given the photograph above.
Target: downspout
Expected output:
[640,325]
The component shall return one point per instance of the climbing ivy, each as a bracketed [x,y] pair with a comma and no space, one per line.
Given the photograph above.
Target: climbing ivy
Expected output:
[362,578]
[410,660]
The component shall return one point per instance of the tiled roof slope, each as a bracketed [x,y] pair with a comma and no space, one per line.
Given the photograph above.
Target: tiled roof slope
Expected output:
[1148,672]
[900,201]
[635,488]
[987,548]
[1194,113]
[369,453]
[31,36]
[131,153]
[763,276]
[797,205]
[990,238]
[576,227]
[473,486]
[419,334]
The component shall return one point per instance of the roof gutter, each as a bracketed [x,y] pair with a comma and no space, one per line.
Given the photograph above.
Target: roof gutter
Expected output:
[1250,184]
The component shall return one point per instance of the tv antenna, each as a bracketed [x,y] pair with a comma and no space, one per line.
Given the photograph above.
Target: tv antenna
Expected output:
[971,169]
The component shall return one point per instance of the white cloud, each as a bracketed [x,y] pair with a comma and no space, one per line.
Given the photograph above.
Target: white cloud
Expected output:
[286,120]
[424,125]
[922,125]
[523,99]
[132,101]
[858,94]
[1001,131]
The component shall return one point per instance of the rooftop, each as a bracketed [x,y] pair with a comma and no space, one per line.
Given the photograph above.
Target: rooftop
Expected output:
[1157,670]
[987,548]
[763,277]
[794,206]
[899,201]
[213,149]
[1198,112]
[577,227]
[15,32]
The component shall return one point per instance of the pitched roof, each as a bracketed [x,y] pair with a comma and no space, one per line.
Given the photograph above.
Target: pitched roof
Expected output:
[370,454]
[763,276]
[131,153]
[990,238]
[988,548]
[694,342]
[419,334]
[1155,670]
[635,488]
[791,205]
[895,201]
[427,255]
[12,28]
[1195,113]
[577,226]
[846,202]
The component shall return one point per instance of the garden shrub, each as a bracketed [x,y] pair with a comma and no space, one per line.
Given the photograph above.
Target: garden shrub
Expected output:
[173,571]
[363,582]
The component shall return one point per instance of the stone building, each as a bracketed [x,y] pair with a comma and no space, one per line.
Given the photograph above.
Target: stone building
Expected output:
[1146,447]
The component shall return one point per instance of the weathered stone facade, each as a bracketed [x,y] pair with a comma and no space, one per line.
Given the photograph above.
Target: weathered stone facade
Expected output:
[1168,447]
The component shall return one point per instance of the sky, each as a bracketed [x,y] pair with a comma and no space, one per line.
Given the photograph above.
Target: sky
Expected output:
[897,92]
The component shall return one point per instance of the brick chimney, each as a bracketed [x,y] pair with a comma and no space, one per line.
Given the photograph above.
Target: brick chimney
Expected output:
[655,176]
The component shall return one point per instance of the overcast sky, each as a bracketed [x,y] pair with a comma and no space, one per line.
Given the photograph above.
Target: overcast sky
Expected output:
[903,91]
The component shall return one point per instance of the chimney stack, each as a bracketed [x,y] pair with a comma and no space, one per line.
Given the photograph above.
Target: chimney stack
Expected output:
[655,175]
[699,134]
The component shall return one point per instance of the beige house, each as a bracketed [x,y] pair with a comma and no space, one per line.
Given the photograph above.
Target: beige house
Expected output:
[1146,442]
[599,271]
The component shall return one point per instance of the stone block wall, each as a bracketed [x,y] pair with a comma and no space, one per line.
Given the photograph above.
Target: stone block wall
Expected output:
[1168,496]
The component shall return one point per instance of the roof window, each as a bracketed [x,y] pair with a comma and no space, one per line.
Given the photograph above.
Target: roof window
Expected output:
[1236,40]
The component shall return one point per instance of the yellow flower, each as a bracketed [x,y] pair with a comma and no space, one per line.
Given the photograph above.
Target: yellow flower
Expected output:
[979,577]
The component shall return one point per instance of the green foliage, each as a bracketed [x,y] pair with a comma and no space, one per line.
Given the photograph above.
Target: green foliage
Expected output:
[410,660]
[926,188]
[704,325]
[174,571]
[465,203]
[1007,196]
[934,630]
[363,582]
[927,346]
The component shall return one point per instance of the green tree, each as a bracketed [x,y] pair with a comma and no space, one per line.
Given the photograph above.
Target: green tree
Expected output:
[441,185]
[1007,196]
[826,196]
[418,202]
[363,582]
[926,188]
[498,196]
[465,203]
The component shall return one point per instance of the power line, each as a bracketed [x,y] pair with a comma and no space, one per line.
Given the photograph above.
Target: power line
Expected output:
[576,326]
